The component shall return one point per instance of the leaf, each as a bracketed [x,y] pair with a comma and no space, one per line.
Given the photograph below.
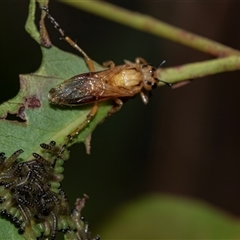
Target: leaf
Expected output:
[8,231]
[36,120]
[44,122]
[169,217]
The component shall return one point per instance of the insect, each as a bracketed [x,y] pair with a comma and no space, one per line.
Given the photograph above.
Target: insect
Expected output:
[27,197]
[116,82]
[32,199]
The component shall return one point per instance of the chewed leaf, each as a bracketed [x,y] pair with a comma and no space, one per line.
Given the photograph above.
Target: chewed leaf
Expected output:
[38,121]
[28,119]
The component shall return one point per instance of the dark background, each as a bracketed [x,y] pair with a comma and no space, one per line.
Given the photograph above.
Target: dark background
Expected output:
[184,142]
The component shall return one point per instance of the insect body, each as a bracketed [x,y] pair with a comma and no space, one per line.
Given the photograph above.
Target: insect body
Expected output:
[115,83]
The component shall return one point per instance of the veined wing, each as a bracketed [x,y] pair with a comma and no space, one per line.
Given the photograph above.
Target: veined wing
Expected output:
[88,87]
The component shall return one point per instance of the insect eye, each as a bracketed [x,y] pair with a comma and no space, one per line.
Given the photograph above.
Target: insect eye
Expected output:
[148,82]
[152,71]
[151,83]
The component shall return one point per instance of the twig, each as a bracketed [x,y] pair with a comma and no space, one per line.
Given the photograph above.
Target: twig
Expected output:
[200,69]
[153,26]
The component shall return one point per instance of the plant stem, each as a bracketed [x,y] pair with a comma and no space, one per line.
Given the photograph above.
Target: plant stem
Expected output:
[154,26]
[200,69]
[30,23]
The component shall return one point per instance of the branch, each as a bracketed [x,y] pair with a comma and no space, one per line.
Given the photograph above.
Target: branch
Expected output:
[154,26]
[200,69]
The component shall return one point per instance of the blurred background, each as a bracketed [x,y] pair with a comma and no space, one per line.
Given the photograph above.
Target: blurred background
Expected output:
[185,142]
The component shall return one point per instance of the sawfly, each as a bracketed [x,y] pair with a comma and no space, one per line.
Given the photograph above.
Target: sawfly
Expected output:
[116,82]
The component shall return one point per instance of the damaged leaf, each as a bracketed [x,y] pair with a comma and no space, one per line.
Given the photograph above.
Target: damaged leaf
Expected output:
[28,119]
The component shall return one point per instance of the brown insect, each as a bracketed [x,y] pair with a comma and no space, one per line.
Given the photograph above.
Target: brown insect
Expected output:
[116,82]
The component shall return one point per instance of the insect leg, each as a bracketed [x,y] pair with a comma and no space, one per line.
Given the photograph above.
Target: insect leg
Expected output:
[69,40]
[91,67]
[89,117]
[109,64]
[87,58]
[144,97]
[140,60]
[91,114]
[117,107]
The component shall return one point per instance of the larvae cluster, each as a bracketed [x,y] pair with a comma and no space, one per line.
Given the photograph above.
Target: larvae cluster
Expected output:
[32,199]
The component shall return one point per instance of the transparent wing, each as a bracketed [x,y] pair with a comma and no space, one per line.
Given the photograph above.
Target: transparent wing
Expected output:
[89,87]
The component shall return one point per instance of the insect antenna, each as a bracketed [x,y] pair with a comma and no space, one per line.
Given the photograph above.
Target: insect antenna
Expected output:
[68,39]
[167,83]
[160,65]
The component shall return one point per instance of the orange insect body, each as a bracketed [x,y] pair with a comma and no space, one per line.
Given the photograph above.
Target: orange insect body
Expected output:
[116,82]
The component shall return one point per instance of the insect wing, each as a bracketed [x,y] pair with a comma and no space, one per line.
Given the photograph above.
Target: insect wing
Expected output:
[77,90]
[87,88]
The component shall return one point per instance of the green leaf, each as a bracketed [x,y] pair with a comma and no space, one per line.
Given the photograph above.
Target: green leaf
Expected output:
[44,122]
[8,231]
[36,120]
[169,217]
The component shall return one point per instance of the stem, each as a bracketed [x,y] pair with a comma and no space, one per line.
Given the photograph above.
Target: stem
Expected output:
[200,69]
[149,24]
[30,23]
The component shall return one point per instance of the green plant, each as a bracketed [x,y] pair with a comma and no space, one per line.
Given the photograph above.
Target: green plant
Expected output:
[44,123]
